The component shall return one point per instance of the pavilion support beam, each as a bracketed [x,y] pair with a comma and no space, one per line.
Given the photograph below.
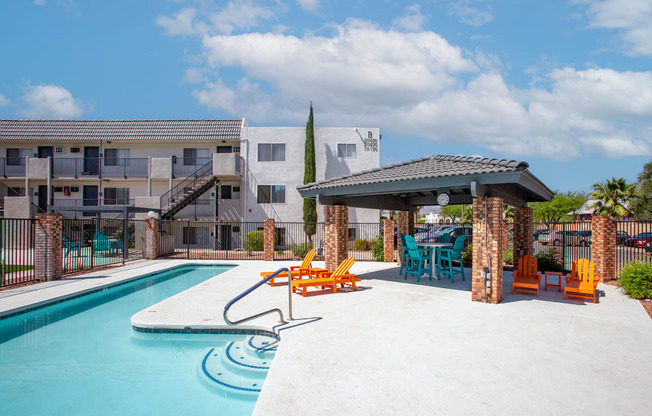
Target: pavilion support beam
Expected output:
[487,255]
[523,232]
[336,219]
[405,226]
[603,247]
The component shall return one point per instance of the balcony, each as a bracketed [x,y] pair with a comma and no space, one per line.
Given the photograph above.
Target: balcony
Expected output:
[12,167]
[100,167]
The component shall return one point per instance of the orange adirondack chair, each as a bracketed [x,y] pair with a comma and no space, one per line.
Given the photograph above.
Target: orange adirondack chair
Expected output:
[297,271]
[527,278]
[325,278]
[582,281]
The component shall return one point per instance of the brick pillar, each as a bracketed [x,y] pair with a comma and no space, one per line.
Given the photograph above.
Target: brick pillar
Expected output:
[523,232]
[47,247]
[388,240]
[268,239]
[505,238]
[151,239]
[405,226]
[603,247]
[494,231]
[336,219]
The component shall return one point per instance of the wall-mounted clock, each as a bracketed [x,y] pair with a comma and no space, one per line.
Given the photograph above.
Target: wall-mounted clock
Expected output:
[443,199]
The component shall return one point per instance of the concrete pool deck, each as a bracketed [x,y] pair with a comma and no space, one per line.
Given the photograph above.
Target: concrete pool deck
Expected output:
[401,347]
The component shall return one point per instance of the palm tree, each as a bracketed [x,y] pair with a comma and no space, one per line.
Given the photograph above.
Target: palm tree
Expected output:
[612,198]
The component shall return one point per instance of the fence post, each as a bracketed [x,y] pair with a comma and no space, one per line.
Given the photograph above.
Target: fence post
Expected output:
[603,247]
[151,239]
[268,239]
[187,240]
[388,240]
[48,256]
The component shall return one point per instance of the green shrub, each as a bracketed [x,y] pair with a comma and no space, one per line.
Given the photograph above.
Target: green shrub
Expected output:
[508,257]
[636,280]
[255,241]
[300,250]
[362,245]
[548,261]
[378,248]
[467,255]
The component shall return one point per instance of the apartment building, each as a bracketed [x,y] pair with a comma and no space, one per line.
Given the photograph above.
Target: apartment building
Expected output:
[189,169]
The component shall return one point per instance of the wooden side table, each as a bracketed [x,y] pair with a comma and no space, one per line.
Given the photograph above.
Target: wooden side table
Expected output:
[553,285]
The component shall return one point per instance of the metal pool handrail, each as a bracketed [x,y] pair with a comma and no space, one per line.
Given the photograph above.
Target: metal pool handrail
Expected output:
[254,287]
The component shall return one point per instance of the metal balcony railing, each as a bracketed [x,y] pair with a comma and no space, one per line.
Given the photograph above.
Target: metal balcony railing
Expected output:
[182,168]
[102,167]
[12,167]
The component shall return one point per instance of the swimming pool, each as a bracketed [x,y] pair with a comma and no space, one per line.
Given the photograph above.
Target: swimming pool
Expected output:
[82,356]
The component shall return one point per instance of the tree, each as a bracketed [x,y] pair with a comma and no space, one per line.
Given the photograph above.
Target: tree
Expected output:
[309,176]
[612,198]
[455,213]
[562,205]
[641,203]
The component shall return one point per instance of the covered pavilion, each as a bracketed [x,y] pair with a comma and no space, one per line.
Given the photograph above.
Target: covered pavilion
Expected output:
[439,180]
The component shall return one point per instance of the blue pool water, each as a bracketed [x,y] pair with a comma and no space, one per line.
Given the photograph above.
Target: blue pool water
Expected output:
[82,357]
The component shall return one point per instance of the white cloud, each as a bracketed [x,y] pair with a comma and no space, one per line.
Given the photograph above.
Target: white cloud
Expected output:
[39,2]
[472,12]
[412,20]
[633,18]
[309,5]
[4,101]
[238,14]
[417,84]
[51,101]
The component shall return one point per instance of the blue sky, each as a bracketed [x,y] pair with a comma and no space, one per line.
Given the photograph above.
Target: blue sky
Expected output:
[563,85]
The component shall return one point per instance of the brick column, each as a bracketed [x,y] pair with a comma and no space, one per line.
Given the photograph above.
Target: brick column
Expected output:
[405,226]
[268,240]
[603,247]
[523,232]
[336,219]
[494,231]
[47,247]
[388,240]
[151,239]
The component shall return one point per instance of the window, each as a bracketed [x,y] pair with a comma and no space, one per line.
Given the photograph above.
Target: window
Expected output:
[116,196]
[74,150]
[271,152]
[16,157]
[116,157]
[226,191]
[224,149]
[195,157]
[189,235]
[345,150]
[15,191]
[236,192]
[352,234]
[271,194]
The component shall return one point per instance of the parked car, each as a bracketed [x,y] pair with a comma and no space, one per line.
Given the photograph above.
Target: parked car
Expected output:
[586,234]
[569,238]
[460,230]
[539,233]
[428,235]
[639,240]
[621,237]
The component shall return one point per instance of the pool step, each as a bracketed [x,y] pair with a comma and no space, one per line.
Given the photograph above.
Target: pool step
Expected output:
[239,367]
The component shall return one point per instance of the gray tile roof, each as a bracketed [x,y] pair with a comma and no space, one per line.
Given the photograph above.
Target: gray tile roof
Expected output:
[428,167]
[120,129]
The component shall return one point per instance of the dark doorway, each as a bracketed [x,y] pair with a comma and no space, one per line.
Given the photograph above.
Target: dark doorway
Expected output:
[90,198]
[45,152]
[91,160]
[42,198]
[225,237]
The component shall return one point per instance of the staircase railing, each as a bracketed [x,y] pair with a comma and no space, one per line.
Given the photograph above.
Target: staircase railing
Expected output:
[254,287]
[178,191]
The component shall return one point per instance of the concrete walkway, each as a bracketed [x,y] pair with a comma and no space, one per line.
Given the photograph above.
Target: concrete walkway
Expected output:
[401,347]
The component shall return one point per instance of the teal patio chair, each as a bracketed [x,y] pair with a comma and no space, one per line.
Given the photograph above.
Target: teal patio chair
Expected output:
[444,238]
[70,247]
[447,255]
[402,250]
[101,242]
[416,259]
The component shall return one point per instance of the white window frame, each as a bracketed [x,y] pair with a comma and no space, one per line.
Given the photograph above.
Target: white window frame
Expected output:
[346,153]
[270,195]
[272,146]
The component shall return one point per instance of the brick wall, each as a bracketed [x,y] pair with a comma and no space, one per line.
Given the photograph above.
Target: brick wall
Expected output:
[268,240]
[505,238]
[405,226]
[336,221]
[388,239]
[494,231]
[151,239]
[523,232]
[603,247]
[47,247]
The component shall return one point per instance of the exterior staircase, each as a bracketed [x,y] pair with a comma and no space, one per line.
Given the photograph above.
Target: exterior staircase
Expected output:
[188,191]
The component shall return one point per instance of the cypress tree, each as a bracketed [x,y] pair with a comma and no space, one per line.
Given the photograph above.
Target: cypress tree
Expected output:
[309,175]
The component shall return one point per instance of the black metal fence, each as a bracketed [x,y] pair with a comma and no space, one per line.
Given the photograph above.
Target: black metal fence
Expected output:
[569,241]
[633,242]
[92,243]
[16,251]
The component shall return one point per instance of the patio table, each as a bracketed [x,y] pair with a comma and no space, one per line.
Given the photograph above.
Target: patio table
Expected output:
[434,247]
